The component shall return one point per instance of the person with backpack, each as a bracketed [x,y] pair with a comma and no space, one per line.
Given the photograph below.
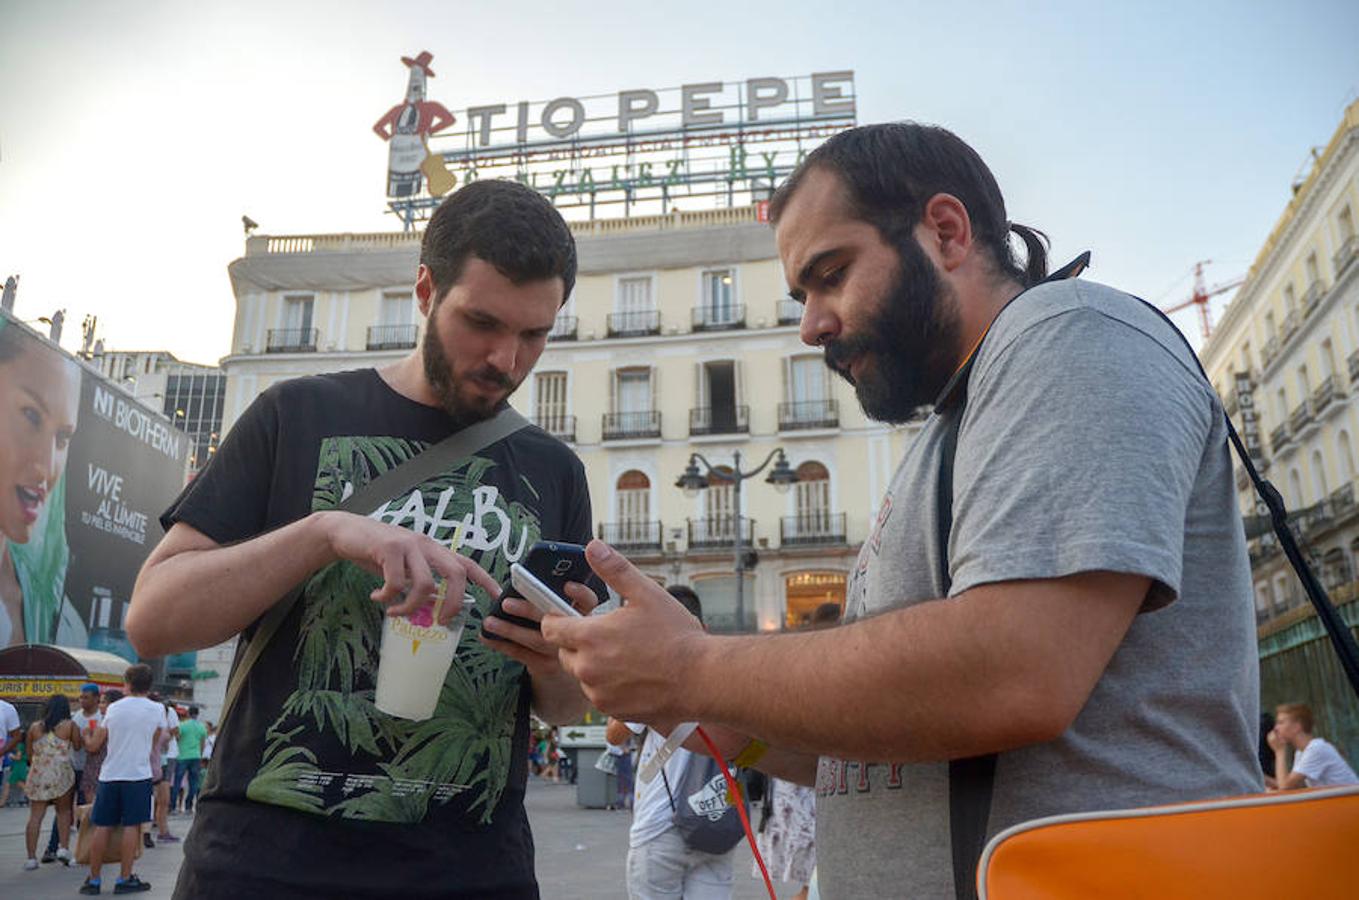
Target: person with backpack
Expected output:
[1052,611]
[663,863]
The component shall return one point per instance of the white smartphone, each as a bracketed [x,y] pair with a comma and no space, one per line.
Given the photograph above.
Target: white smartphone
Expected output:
[539,594]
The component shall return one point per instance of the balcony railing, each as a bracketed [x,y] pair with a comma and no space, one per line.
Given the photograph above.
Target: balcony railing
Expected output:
[293,340]
[1323,395]
[719,420]
[631,536]
[632,425]
[635,324]
[790,311]
[564,329]
[1348,253]
[391,337]
[1311,297]
[812,528]
[1278,438]
[1299,417]
[806,414]
[719,532]
[719,318]
[1291,323]
[561,427]
[1270,350]
[1342,499]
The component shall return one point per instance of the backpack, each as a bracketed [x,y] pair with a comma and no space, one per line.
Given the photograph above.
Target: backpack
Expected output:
[703,817]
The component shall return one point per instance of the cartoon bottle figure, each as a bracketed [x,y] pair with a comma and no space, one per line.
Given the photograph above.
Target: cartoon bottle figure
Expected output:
[406,126]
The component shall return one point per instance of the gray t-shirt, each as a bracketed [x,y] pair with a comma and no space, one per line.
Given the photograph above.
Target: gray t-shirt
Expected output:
[1090,442]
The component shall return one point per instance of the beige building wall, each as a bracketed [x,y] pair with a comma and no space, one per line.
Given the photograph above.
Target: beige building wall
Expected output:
[346,278]
[1294,328]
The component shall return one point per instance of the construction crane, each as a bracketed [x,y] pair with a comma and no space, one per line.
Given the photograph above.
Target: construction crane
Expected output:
[1202,295]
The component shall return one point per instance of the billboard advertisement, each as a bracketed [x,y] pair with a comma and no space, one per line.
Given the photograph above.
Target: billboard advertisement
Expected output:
[85,470]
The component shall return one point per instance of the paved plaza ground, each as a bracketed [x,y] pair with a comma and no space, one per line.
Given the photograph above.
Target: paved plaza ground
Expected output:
[581,853]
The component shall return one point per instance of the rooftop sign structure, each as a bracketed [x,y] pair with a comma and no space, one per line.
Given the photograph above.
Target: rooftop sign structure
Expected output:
[642,150]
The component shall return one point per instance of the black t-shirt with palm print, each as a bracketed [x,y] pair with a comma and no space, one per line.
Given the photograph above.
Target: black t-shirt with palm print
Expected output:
[310,784]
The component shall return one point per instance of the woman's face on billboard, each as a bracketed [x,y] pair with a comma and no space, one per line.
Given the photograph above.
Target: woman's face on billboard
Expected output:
[39,402]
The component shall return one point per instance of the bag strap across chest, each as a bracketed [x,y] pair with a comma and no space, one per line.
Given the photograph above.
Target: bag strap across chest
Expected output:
[394,482]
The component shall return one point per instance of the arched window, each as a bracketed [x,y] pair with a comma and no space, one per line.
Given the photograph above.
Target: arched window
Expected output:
[1295,489]
[633,503]
[812,518]
[1342,446]
[1319,476]
[718,506]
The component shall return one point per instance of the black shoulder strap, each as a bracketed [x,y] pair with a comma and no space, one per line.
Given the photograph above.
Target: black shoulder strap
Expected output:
[971,781]
[414,471]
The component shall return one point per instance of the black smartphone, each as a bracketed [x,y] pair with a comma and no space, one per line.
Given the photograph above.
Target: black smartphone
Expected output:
[554,564]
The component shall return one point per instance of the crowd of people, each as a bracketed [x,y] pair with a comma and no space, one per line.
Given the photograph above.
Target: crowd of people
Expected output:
[78,762]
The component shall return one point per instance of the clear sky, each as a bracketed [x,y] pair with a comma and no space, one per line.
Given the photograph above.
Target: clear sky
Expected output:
[133,135]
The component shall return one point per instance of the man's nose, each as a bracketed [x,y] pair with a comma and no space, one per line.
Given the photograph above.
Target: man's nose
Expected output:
[819,323]
[504,355]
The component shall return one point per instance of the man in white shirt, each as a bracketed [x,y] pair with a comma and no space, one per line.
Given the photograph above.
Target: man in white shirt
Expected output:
[9,727]
[124,797]
[660,866]
[1316,762]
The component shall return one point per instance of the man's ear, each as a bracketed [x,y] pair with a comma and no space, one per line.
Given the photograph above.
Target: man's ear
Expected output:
[424,289]
[948,228]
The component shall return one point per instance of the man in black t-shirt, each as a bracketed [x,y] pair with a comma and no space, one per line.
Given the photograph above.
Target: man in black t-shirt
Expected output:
[312,792]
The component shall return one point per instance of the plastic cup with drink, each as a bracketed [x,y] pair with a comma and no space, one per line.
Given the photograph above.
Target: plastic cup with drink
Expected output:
[415,654]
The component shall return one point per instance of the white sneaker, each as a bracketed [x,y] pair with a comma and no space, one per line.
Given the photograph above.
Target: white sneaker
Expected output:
[30,865]
[63,856]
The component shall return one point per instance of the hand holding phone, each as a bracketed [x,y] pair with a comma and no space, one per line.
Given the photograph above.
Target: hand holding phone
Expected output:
[539,594]
[553,564]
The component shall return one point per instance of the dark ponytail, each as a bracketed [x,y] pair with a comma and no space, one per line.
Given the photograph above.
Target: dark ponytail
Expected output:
[1035,254]
[890,171]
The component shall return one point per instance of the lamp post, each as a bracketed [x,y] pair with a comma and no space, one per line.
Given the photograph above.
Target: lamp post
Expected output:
[692,481]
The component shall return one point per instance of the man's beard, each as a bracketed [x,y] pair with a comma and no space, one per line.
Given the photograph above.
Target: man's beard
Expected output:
[911,337]
[439,373]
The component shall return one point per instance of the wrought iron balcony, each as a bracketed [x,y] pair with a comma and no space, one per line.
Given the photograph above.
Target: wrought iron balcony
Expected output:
[1278,438]
[812,528]
[635,324]
[292,340]
[1270,351]
[1311,297]
[630,536]
[632,425]
[561,427]
[1342,499]
[719,318]
[719,420]
[1348,253]
[790,311]
[806,414]
[564,329]
[391,337]
[1323,395]
[719,533]
[1299,418]
[1291,323]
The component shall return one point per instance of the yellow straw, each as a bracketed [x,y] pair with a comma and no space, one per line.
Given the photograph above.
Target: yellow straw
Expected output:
[442,588]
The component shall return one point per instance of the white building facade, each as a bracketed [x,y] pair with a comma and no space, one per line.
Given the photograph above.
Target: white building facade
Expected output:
[1286,354]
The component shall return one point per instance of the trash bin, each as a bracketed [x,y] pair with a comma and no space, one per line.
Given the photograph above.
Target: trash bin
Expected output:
[594,789]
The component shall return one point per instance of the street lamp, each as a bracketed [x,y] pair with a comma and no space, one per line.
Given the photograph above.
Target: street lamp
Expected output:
[692,481]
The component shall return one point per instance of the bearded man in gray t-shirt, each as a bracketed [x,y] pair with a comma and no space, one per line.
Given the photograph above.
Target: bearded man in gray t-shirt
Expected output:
[1089,616]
